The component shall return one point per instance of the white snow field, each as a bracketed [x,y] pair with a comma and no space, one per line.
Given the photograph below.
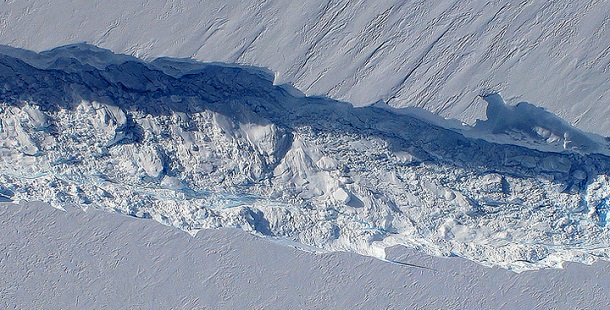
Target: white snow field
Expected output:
[198,146]
[437,55]
[89,260]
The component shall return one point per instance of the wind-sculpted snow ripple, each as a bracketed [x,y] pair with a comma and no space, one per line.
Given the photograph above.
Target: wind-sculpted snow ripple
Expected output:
[200,146]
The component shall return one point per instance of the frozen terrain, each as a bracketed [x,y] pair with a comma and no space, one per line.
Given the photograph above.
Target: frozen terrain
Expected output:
[197,146]
[85,260]
[438,55]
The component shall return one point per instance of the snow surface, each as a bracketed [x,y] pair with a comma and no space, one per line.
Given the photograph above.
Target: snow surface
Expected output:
[90,260]
[198,146]
[438,55]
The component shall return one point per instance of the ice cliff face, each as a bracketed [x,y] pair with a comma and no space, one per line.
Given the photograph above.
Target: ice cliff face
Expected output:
[198,146]
[436,54]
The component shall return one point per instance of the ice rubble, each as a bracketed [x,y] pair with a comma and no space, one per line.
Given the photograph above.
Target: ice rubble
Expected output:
[528,125]
[205,146]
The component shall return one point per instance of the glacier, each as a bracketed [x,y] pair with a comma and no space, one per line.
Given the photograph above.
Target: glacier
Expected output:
[207,145]
[438,55]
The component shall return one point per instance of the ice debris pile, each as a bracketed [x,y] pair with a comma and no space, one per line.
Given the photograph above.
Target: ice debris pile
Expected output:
[199,146]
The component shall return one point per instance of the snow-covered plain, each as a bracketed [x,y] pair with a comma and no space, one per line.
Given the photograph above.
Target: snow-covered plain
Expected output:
[197,145]
[438,55]
[85,260]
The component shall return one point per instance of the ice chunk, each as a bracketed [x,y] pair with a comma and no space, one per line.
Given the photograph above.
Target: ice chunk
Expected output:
[150,161]
[341,196]
[536,125]
[326,163]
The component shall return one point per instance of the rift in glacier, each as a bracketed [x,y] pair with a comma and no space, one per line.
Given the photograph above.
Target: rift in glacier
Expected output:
[199,146]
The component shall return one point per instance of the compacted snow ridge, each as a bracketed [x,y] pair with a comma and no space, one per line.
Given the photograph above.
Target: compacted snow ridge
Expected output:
[436,54]
[196,146]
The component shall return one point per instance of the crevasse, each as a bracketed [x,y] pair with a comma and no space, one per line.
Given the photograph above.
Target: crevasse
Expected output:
[200,146]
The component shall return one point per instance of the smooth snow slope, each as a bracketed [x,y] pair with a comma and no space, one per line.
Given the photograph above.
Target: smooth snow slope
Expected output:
[198,145]
[438,55]
[90,260]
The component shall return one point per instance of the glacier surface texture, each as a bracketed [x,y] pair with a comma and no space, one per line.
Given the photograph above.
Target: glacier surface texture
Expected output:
[199,146]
